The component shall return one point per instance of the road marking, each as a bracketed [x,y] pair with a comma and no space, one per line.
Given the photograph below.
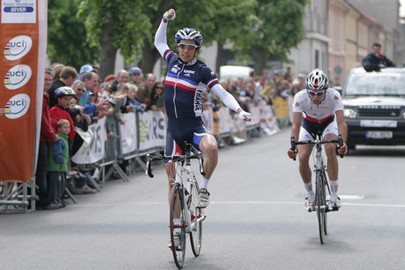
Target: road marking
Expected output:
[351,197]
[354,197]
[343,204]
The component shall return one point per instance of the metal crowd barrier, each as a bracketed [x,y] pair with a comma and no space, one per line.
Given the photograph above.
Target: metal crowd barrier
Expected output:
[129,146]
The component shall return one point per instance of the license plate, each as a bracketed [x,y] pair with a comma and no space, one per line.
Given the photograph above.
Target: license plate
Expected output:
[379,123]
[379,134]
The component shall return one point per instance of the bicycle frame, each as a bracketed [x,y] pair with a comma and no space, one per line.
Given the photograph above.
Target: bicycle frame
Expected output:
[186,180]
[321,181]
[183,201]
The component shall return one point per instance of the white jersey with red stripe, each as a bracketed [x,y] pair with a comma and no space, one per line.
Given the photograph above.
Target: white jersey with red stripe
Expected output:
[327,108]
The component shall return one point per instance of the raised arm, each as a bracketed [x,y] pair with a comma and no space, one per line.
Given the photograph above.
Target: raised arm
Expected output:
[160,36]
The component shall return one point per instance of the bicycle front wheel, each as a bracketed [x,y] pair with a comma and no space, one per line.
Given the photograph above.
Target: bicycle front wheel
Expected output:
[321,205]
[177,230]
[197,216]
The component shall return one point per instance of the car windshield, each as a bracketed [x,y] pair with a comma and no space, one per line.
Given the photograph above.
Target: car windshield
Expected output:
[376,84]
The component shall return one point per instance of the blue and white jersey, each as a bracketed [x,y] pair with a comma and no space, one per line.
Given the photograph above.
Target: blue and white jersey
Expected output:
[186,82]
[184,86]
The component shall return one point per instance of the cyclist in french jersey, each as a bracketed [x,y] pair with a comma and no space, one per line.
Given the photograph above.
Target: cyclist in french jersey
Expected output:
[318,110]
[185,82]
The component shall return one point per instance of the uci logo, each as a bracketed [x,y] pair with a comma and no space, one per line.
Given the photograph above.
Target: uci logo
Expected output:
[17,47]
[17,106]
[17,77]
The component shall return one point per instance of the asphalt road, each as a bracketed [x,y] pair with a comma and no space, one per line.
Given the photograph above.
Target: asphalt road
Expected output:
[255,221]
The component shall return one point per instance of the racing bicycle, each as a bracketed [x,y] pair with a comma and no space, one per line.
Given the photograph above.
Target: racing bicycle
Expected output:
[183,202]
[322,191]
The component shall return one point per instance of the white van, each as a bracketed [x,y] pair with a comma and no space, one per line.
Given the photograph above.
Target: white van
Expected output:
[235,72]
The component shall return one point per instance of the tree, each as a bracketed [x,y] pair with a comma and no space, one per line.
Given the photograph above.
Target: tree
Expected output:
[93,31]
[115,25]
[67,35]
[276,28]
[130,27]
[230,16]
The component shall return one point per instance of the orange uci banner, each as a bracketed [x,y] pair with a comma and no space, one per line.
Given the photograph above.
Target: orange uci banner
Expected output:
[23,26]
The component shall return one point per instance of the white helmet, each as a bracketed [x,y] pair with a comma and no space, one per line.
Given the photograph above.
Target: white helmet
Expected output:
[189,34]
[64,91]
[317,80]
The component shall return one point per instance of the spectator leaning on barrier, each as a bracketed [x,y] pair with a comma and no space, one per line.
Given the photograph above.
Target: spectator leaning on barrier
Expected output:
[132,98]
[122,77]
[121,97]
[57,69]
[90,80]
[66,78]
[156,97]
[84,69]
[110,120]
[91,111]
[150,80]
[136,76]
[182,95]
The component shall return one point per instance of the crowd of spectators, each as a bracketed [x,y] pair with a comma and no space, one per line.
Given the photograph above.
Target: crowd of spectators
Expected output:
[94,98]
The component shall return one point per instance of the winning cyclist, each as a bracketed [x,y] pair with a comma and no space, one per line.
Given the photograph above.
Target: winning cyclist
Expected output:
[318,110]
[184,84]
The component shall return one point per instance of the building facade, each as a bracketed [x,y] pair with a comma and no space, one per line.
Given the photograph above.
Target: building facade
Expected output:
[339,34]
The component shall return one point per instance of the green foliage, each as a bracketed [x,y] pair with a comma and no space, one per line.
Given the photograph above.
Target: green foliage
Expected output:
[128,23]
[230,17]
[78,28]
[67,35]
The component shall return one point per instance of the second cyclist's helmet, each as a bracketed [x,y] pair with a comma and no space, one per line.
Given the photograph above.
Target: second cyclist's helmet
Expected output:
[189,34]
[317,80]
[64,91]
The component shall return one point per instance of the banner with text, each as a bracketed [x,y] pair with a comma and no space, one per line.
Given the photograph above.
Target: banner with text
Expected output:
[152,130]
[93,148]
[23,28]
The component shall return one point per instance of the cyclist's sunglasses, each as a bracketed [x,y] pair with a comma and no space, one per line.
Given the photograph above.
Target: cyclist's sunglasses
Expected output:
[318,93]
[187,46]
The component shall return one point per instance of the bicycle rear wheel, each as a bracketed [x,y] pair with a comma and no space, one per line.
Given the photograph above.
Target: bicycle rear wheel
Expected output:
[197,217]
[177,231]
[321,205]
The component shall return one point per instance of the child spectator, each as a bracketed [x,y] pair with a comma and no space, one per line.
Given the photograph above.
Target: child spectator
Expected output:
[58,165]
[63,96]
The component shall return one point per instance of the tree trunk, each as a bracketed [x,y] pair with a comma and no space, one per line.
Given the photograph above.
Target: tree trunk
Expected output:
[108,52]
[261,56]
[149,57]
[220,57]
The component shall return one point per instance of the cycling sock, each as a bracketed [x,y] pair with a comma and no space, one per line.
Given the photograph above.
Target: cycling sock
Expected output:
[203,183]
[308,188]
[176,221]
[334,186]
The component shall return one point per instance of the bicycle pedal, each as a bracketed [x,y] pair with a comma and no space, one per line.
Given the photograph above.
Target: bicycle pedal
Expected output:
[332,209]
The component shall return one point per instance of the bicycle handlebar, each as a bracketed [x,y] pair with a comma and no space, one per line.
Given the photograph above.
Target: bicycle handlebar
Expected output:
[339,141]
[191,153]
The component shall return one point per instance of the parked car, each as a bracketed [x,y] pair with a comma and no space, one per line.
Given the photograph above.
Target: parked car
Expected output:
[375,107]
